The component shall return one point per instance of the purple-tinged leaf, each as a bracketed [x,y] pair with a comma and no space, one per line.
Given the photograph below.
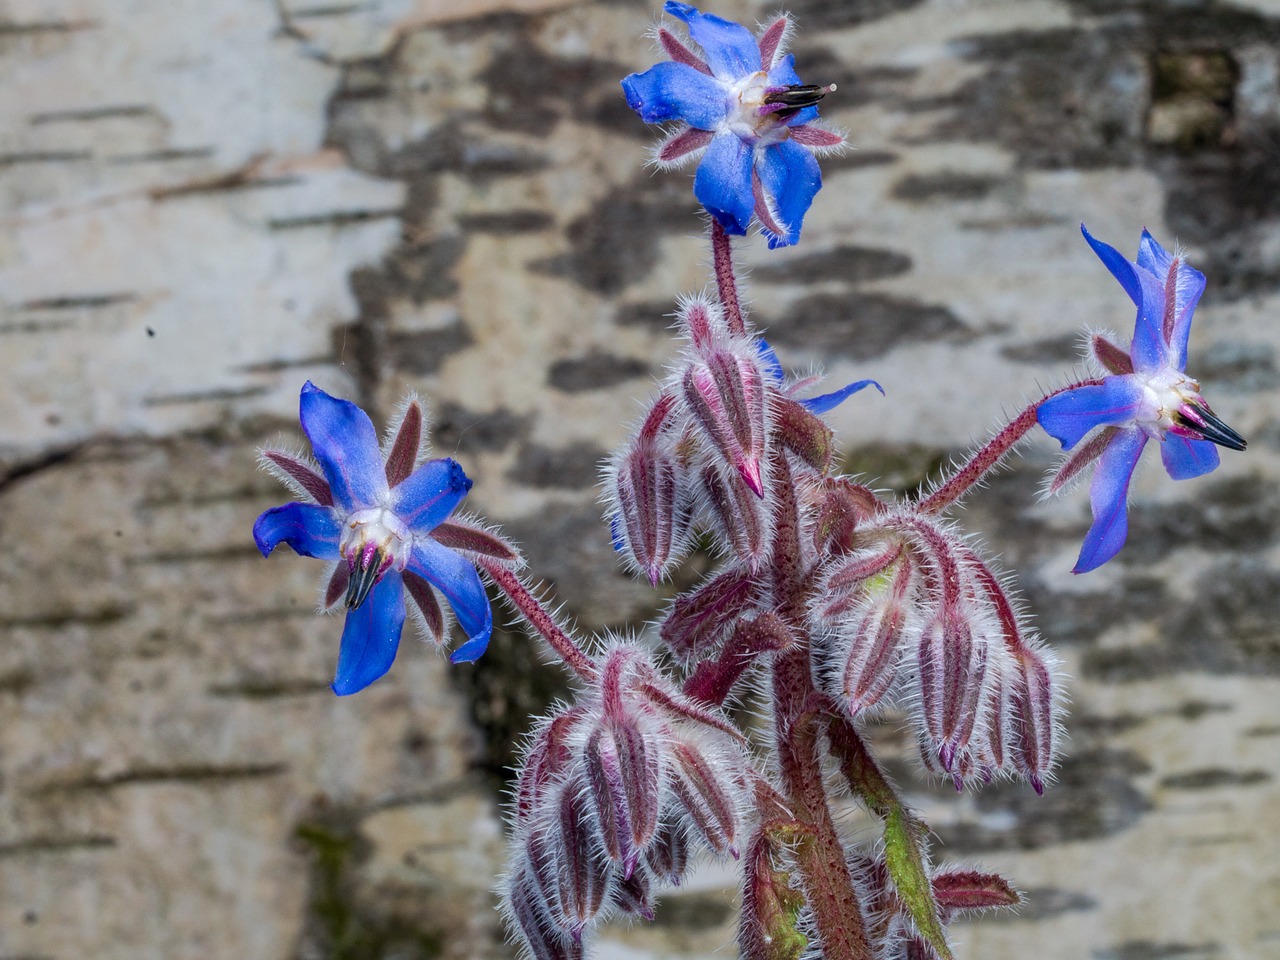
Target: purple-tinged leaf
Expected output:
[705,787]
[316,486]
[1033,707]
[771,906]
[1112,359]
[1081,459]
[424,598]
[337,586]
[971,890]
[632,894]
[812,135]
[772,38]
[581,868]
[609,796]
[687,141]
[469,538]
[678,52]
[403,455]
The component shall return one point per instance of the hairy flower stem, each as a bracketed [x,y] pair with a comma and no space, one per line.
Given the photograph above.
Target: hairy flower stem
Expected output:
[986,459]
[726,284]
[819,854]
[540,619]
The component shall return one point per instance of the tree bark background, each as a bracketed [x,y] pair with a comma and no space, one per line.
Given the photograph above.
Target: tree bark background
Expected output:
[202,205]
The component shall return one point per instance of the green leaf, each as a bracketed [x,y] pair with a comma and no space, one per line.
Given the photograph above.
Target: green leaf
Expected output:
[904,856]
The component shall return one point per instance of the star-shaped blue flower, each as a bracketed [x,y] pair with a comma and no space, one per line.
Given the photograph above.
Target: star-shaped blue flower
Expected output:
[1148,397]
[376,519]
[744,108]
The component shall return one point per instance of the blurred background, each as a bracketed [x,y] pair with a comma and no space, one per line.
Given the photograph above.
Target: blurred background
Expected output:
[204,203]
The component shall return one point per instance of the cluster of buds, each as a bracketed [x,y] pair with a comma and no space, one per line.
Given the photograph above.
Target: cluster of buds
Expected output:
[700,456]
[913,615]
[613,793]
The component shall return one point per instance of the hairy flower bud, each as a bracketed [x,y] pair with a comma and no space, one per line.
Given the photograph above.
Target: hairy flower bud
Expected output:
[707,788]
[531,919]
[742,521]
[579,865]
[547,759]
[952,671]
[724,391]
[650,496]
[668,856]
[1035,710]
[700,619]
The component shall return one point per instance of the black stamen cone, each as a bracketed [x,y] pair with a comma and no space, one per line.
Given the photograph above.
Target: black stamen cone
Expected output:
[798,95]
[362,581]
[1213,429]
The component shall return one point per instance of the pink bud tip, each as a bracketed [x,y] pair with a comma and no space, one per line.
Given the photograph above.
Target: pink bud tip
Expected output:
[946,756]
[1037,785]
[749,468]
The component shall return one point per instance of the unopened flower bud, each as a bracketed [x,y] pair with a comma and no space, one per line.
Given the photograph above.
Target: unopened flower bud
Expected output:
[705,784]
[632,895]
[1033,706]
[580,867]
[650,496]
[531,919]
[701,619]
[546,760]
[668,855]
[740,515]
[952,670]
[725,393]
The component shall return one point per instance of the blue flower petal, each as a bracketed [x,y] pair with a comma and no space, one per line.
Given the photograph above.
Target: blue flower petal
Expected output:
[312,530]
[723,182]
[769,360]
[1070,415]
[426,498]
[346,446]
[783,73]
[829,401]
[1108,496]
[1149,351]
[1185,458]
[455,577]
[730,49]
[615,534]
[371,636]
[1120,268]
[790,174]
[1152,256]
[1188,285]
[676,91]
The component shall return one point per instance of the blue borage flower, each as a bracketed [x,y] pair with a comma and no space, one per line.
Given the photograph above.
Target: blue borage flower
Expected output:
[376,516]
[1148,397]
[743,108]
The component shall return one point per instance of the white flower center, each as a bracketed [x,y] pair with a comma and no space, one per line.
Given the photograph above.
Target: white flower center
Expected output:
[376,530]
[1165,392]
[748,117]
